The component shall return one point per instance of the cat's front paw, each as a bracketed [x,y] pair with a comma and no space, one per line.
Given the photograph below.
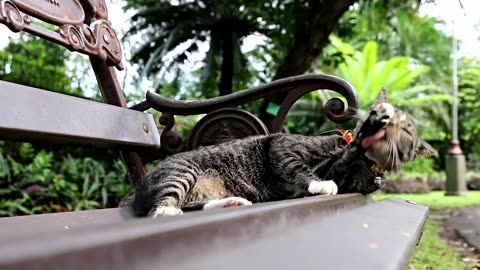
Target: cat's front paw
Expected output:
[385,112]
[323,187]
[165,211]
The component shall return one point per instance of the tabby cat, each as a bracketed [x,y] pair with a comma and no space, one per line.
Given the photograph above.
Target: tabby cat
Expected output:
[281,166]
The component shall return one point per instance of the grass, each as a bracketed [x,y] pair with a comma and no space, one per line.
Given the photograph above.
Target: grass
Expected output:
[432,253]
[437,200]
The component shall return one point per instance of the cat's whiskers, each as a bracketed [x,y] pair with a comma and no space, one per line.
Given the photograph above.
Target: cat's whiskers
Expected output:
[390,161]
[391,156]
[395,156]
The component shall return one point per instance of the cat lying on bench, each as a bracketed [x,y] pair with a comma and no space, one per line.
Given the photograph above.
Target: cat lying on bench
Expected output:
[281,166]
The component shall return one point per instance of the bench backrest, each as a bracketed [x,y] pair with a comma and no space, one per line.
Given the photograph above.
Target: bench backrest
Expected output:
[31,114]
[83,26]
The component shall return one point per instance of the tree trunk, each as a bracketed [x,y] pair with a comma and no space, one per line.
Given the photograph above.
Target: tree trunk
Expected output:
[307,47]
[226,77]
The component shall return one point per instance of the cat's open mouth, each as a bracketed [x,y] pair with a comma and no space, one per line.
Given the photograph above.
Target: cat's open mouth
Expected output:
[369,140]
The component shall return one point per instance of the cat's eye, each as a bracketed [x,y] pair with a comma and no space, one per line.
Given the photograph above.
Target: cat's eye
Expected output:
[408,132]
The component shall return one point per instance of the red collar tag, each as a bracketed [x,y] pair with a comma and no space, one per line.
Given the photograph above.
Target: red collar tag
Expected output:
[346,134]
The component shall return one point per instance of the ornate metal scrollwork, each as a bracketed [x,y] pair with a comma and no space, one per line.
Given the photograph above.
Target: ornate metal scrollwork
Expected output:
[170,139]
[73,36]
[296,87]
[97,39]
[224,125]
[108,46]
[12,17]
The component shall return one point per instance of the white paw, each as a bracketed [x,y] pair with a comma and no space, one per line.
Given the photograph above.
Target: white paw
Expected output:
[165,211]
[227,202]
[385,112]
[323,187]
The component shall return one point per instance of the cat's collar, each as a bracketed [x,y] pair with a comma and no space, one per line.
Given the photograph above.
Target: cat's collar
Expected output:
[376,169]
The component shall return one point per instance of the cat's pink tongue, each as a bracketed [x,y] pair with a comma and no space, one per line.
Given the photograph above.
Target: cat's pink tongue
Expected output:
[373,138]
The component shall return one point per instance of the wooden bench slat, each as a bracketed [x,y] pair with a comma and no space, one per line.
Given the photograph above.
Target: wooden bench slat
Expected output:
[28,113]
[24,226]
[32,225]
[337,232]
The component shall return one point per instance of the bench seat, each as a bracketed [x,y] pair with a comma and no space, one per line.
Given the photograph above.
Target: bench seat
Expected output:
[330,232]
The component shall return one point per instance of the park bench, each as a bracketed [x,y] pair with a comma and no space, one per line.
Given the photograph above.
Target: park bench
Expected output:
[348,231]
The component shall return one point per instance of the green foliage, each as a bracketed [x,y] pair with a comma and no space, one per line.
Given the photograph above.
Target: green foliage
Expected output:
[420,165]
[398,29]
[307,116]
[400,75]
[436,200]
[34,182]
[368,75]
[36,178]
[38,63]
[172,31]
[469,105]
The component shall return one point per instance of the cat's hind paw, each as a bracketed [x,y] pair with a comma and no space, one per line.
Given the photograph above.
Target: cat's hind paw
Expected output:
[323,187]
[165,211]
[227,202]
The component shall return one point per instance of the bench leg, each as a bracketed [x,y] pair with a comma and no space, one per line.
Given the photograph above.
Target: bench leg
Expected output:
[113,94]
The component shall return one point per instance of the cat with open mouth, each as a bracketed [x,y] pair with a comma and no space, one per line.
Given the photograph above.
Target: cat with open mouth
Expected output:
[281,166]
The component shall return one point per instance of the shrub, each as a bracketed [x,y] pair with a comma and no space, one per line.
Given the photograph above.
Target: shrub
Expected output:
[43,181]
[473,180]
[419,165]
[401,185]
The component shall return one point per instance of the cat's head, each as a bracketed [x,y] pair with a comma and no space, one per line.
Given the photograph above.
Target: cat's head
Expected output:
[389,135]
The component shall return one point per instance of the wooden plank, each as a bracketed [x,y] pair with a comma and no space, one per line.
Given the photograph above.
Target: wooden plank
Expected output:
[28,113]
[32,225]
[336,232]
[26,226]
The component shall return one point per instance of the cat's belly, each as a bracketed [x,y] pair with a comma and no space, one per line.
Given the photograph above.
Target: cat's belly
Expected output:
[209,188]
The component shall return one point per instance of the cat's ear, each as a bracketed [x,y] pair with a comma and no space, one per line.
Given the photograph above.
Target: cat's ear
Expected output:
[381,98]
[425,150]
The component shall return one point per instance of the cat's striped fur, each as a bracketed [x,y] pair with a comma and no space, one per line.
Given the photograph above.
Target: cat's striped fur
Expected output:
[279,166]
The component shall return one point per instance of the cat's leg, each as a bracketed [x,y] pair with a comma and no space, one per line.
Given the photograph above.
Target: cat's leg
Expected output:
[385,112]
[163,191]
[356,177]
[293,168]
[165,211]
[226,202]
[378,118]
[215,203]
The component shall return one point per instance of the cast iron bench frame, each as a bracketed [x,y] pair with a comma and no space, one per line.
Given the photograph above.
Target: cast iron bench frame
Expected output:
[333,232]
